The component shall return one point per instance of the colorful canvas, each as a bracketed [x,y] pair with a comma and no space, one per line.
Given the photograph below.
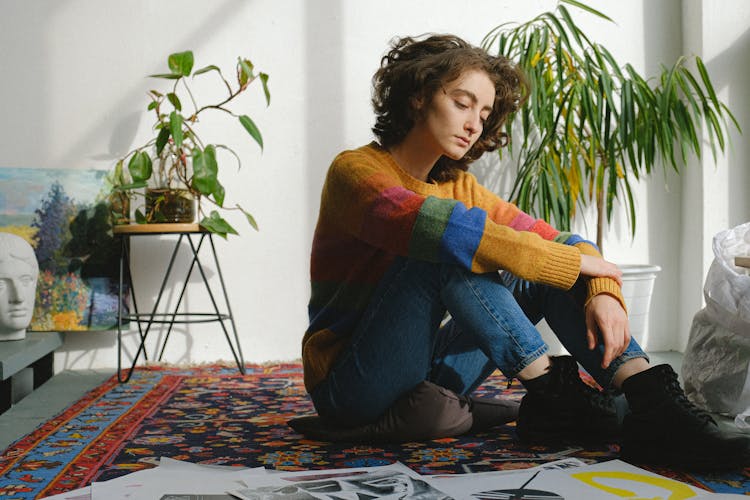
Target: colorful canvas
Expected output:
[213,415]
[61,213]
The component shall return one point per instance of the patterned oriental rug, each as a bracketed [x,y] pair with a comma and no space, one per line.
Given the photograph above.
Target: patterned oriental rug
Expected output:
[214,415]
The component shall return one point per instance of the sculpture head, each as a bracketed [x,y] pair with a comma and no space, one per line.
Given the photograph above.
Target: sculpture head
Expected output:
[19,271]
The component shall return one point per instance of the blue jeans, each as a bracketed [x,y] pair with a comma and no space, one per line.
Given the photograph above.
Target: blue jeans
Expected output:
[402,338]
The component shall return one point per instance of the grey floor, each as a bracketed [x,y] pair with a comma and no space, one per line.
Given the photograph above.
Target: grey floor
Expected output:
[68,386]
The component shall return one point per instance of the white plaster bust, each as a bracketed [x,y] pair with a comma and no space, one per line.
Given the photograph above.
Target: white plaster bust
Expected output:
[19,271]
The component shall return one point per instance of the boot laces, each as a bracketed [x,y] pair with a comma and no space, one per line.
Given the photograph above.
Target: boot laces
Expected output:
[572,383]
[674,390]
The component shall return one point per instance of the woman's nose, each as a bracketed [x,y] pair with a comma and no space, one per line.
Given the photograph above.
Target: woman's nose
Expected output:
[473,125]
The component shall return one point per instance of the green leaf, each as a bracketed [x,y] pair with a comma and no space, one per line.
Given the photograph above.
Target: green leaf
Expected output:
[168,76]
[264,82]
[218,194]
[707,81]
[205,170]
[250,218]
[206,69]
[217,225]
[587,9]
[246,71]
[181,63]
[140,166]
[161,140]
[140,217]
[175,101]
[152,105]
[175,128]
[118,176]
[252,129]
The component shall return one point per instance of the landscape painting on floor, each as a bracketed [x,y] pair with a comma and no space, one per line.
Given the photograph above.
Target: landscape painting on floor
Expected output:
[62,213]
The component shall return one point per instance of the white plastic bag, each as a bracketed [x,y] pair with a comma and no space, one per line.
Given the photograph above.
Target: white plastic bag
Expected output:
[715,365]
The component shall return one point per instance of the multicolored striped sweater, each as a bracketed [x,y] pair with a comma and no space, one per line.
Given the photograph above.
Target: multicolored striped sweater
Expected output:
[372,211]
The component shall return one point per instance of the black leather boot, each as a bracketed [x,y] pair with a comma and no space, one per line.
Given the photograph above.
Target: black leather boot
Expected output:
[560,407]
[664,428]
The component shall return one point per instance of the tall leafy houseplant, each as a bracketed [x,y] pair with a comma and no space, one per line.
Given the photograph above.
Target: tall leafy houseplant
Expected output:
[176,158]
[592,126]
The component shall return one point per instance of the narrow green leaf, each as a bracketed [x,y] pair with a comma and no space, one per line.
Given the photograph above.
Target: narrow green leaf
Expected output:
[206,69]
[707,81]
[610,61]
[161,140]
[561,33]
[631,207]
[252,129]
[167,76]
[266,92]
[687,92]
[251,221]
[175,128]
[118,176]
[219,193]
[726,111]
[175,101]
[588,9]
[571,25]
[181,63]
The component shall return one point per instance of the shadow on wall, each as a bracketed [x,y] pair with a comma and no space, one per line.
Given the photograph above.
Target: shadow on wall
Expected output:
[124,128]
[731,70]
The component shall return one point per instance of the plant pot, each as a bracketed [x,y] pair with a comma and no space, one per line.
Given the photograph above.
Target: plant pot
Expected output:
[637,288]
[169,205]
[119,208]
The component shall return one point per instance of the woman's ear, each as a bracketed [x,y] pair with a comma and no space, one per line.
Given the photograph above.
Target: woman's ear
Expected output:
[417,106]
[417,102]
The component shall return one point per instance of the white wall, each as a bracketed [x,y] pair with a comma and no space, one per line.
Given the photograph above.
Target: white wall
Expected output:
[73,94]
[715,192]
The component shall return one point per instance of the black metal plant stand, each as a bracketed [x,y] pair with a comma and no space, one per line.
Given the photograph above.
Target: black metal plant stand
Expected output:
[144,320]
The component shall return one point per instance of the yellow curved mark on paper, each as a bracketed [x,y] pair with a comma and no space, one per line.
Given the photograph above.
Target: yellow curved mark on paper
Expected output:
[678,491]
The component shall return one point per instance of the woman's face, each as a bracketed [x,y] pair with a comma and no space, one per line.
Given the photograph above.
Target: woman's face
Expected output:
[455,118]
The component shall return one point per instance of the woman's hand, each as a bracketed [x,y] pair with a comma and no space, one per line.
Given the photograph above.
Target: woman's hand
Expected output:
[597,267]
[605,318]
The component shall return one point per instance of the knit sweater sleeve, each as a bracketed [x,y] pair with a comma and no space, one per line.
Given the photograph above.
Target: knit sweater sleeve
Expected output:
[373,204]
[507,213]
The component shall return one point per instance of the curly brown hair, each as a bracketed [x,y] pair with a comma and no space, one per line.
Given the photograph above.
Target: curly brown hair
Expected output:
[413,70]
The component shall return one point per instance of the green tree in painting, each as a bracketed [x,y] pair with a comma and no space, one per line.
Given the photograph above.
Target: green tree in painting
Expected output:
[92,248]
[51,221]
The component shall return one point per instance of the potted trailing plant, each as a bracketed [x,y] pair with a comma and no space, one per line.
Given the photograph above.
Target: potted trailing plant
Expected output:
[175,168]
[592,127]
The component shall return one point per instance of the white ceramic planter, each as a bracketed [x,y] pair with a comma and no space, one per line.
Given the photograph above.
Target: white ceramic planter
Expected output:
[637,288]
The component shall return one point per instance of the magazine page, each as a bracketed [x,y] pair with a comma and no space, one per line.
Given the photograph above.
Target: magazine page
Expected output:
[395,481]
[613,479]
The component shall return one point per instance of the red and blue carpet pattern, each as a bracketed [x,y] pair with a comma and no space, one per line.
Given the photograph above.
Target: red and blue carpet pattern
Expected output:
[214,415]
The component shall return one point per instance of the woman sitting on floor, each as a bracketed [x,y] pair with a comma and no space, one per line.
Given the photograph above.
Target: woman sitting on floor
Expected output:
[406,235]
